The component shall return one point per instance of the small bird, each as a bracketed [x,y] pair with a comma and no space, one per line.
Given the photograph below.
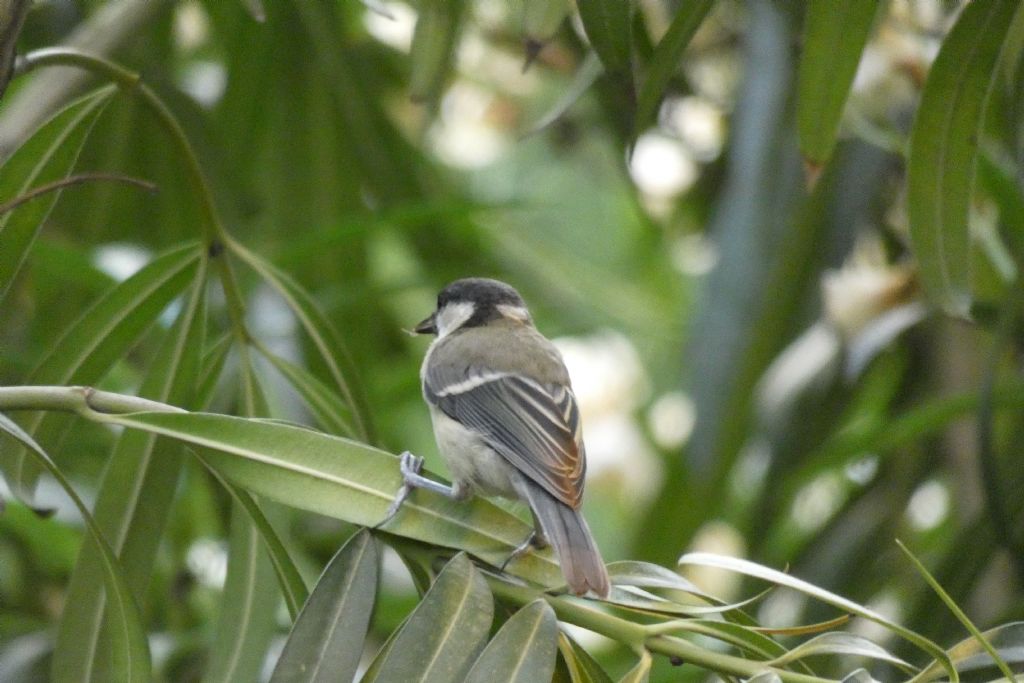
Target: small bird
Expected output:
[506,421]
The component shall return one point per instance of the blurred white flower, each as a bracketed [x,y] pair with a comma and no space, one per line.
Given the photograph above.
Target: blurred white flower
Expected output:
[207,560]
[395,30]
[661,166]
[671,419]
[928,506]
[609,383]
[862,290]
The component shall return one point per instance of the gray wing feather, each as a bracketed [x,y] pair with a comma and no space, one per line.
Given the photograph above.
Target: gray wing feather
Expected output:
[535,427]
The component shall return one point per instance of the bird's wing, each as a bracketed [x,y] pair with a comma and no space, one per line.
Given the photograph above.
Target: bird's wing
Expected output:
[535,427]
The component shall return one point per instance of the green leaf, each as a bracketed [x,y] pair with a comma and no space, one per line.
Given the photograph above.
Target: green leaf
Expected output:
[326,406]
[213,364]
[834,37]
[134,499]
[445,632]
[432,52]
[581,666]
[325,338]
[959,613]
[943,147]
[327,639]
[289,580]
[641,671]
[970,654]
[752,642]
[587,72]
[609,27]
[766,573]
[50,154]
[248,607]
[665,59]
[129,649]
[346,480]
[92,344]
[840,643]
[523,650]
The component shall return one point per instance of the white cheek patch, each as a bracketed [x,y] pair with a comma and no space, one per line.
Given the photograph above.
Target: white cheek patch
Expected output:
[453,316]
[514,312]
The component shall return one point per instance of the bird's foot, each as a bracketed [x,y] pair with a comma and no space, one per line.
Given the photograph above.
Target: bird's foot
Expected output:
[535,541]
[410,466]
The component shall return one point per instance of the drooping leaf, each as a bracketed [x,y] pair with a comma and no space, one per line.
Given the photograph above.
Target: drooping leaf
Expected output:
[753,569]
[325,338]
[609,24]
[93,343]
[347,480]
[834,37]
[248,606]
[325,405]
[839,643]
[134,499]
[50,154]
[587,72]
[129,649]
[749,640]
[665,59]
[433,47]
[641,671]
[970,655]
[445,633]
[581,666]
[522,651]
[289,580]
[959,613]
[326,640]
[943,147]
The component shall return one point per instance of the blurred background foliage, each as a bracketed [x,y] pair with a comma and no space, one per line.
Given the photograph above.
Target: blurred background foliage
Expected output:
[768,337]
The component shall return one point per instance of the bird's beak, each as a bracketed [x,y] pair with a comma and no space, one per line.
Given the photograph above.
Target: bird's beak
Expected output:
[427,326]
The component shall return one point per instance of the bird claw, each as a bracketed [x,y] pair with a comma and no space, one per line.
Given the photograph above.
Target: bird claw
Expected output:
[533,541]
[409,465]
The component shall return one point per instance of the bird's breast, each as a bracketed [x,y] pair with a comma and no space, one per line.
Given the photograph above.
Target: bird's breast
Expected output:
[470,460]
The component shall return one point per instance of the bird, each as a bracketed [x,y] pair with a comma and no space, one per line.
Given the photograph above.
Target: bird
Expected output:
[506,421]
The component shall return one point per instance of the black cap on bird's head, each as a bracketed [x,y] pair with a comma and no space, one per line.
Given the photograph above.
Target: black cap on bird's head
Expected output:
[472,302]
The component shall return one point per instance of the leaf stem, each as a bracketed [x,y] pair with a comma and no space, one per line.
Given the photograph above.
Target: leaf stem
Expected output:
[76,399]
[77,179]
[581,613]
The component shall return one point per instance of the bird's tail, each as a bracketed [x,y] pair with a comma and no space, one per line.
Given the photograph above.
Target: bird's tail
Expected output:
[568,532]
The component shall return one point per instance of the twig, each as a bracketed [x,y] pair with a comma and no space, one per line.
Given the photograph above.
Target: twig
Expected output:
[77,179]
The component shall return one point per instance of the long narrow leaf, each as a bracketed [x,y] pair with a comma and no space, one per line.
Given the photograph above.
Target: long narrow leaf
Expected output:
[445,632]
[523,650]
[346,480]
[129,649]
[959,613]
[134,498]
[839,643]
[248,605]
[609,24]
[582,667]
[834,37]
[50,154]
[92,344]
[641,671]
[320,331]
[969,654]
[327,639]
[665,59]
[943,147]
[766,573]
[293,588]
[325,405]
